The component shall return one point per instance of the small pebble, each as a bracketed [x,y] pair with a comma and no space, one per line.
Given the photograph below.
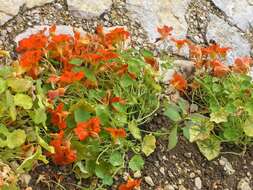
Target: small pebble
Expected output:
[149,181]
[198,182]
[169,187]
[192,175]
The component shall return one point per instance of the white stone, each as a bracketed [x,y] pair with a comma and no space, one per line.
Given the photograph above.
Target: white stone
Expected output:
[60,29]
[244,184]
[240,12]
[228,36]
[149,181]
[156,13]
[88,8]
[227,165]
[198,182]
[9,8]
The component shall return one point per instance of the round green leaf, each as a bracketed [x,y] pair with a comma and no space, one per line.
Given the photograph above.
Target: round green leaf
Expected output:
[136,163]
[148,145]
[116,159]
[23,101]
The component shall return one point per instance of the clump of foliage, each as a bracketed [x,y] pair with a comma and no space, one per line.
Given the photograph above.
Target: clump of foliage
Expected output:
[78,100]
[222,94]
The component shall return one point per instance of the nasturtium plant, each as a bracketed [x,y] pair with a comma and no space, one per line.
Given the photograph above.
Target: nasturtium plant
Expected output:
[221,96]
[79,100]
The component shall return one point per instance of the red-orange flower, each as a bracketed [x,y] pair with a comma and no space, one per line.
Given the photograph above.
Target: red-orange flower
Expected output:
[33,42]
[107,55]
[178,82]
[152,61]
[215,50]
[180,43]
[130,185]
[116,133]
[219,69]
[88,128]
[53,79]
[164,31]
[116,35]
[242,65]
[61,38]
[29,60]
[63,154]
[58,116]
[69,77]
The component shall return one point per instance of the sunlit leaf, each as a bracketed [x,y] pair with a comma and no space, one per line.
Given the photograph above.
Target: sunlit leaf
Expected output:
[28,163]
[248,127]
[11,139]
[219,116]
[210,147]
[76,61]
[23,100]
[136,163]
[148,144]
[116,158]
[134,130]
[43,143]
[3,85]
[19,85]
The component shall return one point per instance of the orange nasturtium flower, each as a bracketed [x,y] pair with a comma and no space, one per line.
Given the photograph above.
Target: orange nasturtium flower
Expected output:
[89,128]
[219,69]
[215,50]
[58,116]
[69,77]
[180,43]
[33,42]
[116,35]
[116,133]
[178,82]
[52,94]
[63,154]
[29,61]
[164,32]
[130,185]
[242,65]
[152,62]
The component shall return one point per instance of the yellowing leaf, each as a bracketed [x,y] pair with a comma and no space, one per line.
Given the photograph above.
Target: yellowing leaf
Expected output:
[134,130]
[19,85]
[210,147]
[200,132]
[148,145]
[219,116]
[11,139]
[2,85]
[248,127]
[28,163]
[23,100]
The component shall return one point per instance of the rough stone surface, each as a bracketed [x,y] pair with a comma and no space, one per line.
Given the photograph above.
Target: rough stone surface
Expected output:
[240,12]
[88,8]
[198,182]
[244,184]
[9,8]
[228,36]
[60,29]
[153,13]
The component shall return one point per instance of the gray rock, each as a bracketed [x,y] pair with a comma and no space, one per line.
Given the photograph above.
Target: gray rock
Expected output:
[152,14]
[240,12]
[227,165]
[149,181]
[169,187]
[88,8]
[198,182]
[228,36]
[8,9]
[244,184]
[60,29]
